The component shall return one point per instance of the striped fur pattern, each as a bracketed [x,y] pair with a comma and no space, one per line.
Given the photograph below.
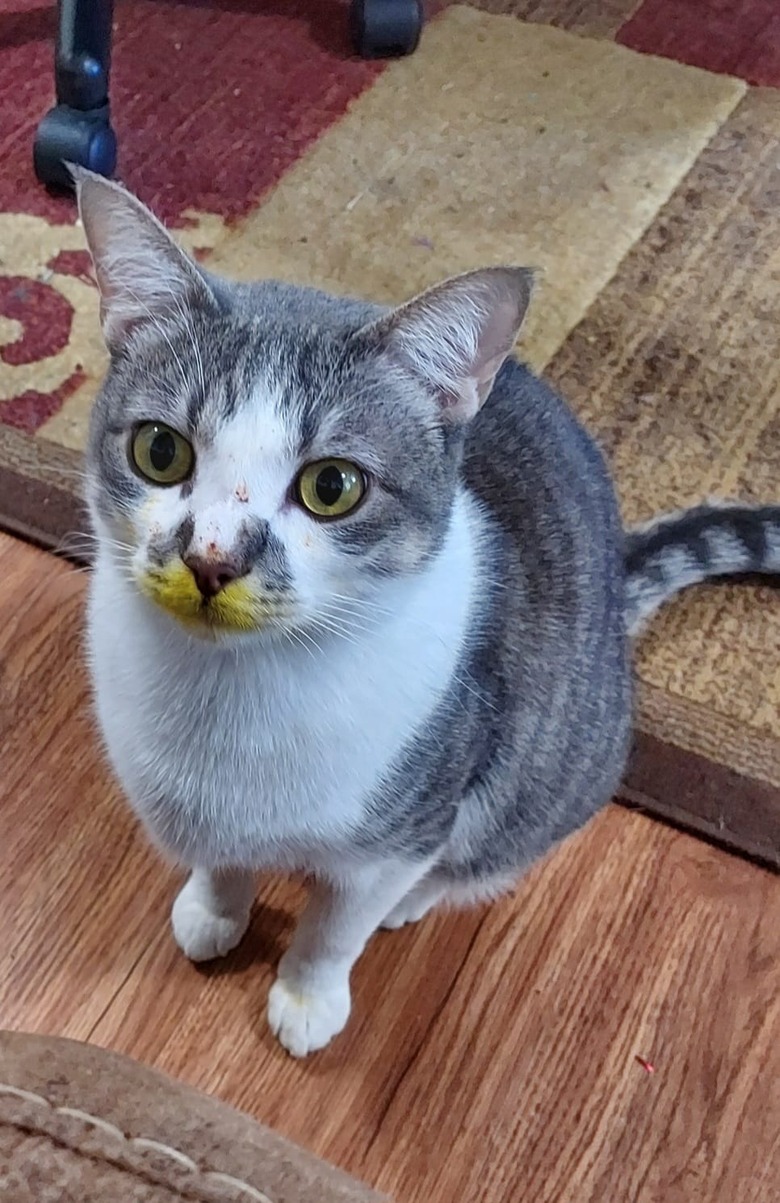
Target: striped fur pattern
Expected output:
[688,547]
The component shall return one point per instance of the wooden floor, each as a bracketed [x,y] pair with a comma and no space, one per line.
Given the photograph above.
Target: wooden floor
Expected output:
[493,1056]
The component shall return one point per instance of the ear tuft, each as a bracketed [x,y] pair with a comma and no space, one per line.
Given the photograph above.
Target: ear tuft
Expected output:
[141,272]
[455,337]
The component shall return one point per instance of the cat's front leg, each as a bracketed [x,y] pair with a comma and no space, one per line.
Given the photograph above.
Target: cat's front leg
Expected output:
[310,1000]
[425,895]
[211,912]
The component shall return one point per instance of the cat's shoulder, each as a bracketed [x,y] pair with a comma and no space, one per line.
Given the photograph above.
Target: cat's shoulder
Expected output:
[529,443]
[524,412]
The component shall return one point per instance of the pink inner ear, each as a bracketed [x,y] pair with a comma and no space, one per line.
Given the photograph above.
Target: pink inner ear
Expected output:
[496,339]
[487,370]
[456,336]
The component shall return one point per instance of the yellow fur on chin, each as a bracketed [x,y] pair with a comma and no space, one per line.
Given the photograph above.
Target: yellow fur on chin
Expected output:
[237,607]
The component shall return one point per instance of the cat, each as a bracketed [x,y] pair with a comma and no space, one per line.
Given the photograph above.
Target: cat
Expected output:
[362,600]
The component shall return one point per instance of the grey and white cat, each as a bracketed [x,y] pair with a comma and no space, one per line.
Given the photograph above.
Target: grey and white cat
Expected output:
[361,600]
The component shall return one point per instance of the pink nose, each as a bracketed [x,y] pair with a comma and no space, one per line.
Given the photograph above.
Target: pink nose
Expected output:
[211,576]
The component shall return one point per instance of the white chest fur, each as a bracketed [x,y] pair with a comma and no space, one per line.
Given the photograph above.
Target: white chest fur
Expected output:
[264,755]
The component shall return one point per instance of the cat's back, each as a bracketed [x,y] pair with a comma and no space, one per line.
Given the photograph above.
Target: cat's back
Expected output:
[551,656]
[547,486]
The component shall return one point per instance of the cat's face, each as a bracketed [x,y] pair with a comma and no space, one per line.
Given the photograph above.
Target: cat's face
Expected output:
[256,474]
[265,479]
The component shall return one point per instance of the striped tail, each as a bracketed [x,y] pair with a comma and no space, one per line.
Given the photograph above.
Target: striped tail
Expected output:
[681,549]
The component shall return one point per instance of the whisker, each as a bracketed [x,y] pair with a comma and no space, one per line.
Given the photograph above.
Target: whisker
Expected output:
[359,603]
[341,632]
[300,634]
[72,474]
[345,622]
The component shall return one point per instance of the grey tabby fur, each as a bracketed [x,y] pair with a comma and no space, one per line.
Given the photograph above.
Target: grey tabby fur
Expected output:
[531,734]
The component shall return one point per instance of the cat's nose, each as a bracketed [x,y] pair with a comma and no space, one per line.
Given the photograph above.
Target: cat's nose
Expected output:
[211,576]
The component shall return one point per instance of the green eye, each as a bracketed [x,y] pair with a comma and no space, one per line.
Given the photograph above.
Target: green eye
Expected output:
[331,488]
[161,455]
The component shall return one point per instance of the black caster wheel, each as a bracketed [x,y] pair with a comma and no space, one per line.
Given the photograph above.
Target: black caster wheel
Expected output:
[67,135]
[385,28]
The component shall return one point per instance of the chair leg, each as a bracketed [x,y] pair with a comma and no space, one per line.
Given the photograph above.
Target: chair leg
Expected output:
[385,28]
[78,129]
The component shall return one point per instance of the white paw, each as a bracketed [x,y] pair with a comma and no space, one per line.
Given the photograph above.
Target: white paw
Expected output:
[200,934]
[304,1023]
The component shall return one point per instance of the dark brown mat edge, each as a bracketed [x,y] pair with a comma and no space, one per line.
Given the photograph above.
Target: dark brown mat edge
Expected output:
[700,795]
[38,501]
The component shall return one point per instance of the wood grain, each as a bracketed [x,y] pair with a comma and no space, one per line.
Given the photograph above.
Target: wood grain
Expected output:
[492,1055]
[77,883]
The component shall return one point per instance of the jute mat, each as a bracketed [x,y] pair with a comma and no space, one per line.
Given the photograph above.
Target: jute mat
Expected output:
[80,1123]
[629,151]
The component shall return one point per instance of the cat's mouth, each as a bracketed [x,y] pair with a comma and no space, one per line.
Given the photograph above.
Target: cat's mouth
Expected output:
[239,607]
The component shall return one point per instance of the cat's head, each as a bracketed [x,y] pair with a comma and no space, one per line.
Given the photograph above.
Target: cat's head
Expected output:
[252,471]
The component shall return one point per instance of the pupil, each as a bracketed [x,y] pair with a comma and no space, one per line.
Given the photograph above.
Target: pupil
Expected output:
[162,451]
[330,485]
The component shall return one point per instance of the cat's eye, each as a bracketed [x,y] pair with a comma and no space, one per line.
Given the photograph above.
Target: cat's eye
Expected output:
[161,454]
[330,488]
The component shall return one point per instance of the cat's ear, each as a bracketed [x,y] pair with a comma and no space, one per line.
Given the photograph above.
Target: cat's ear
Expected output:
[141,273]
[455,336]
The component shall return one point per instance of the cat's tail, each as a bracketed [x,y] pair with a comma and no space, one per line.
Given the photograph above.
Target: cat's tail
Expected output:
[681,549]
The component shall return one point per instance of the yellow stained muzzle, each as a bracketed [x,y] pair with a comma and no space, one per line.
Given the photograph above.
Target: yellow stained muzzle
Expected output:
[237,607]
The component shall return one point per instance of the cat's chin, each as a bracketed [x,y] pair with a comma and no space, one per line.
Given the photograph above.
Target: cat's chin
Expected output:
[203,632]
[217,634]
[222,635]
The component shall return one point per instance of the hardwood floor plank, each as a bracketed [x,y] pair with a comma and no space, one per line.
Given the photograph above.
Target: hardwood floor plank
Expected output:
[77,881]
[632,941]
